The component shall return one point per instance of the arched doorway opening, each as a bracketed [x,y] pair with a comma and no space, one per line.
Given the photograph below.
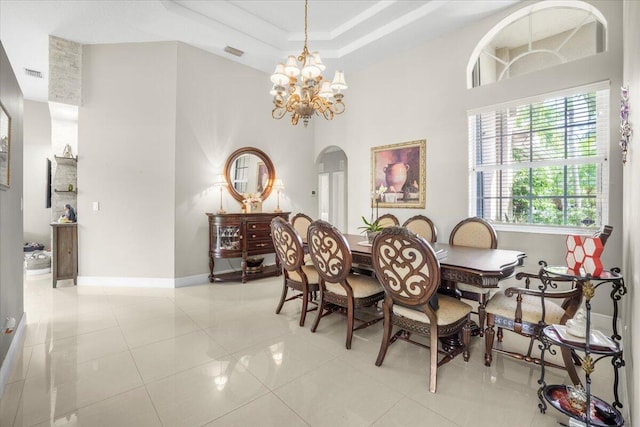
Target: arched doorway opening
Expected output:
[331,166]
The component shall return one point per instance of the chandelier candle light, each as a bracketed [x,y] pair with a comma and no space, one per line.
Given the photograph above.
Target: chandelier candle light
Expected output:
[220,183]
[278,185]
[311,94]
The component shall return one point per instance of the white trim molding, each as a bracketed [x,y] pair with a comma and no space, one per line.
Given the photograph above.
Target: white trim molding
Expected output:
[12,354]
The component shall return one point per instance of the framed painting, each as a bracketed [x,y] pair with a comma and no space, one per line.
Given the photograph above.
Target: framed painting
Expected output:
[5,148]
[398,174]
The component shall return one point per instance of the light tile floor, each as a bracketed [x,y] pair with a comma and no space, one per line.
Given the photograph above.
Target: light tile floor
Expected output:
[217,355]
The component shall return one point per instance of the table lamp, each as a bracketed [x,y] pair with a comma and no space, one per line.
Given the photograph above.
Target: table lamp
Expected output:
[220,183]
[278,185]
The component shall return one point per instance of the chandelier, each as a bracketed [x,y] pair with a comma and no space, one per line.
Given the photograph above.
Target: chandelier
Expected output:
[311,93]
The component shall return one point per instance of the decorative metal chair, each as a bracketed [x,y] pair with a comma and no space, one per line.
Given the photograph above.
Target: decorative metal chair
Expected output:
[409,271]
[297,276]
[476,233]
[520,310]
[340,289]
[388,220]
[423,227]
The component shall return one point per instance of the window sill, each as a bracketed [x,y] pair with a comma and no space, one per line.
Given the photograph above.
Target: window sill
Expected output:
[544,229]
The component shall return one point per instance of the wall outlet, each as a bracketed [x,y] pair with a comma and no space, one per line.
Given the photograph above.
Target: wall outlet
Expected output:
[96,206]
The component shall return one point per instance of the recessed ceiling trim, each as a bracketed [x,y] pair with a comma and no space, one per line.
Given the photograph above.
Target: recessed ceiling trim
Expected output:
[392,26]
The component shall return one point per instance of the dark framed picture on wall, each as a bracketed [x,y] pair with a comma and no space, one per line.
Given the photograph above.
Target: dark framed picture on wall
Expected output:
[398,174]
[5,148]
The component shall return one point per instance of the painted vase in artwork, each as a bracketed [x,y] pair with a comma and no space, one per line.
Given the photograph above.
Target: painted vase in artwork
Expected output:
[396,176]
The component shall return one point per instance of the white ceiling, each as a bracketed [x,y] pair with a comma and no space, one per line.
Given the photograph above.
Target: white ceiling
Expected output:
[349,34]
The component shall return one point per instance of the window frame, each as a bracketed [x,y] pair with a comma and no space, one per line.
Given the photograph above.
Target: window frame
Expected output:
[602,134]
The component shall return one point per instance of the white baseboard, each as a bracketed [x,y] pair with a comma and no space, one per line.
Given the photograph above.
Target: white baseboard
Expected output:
[144,282]
[12,354]
[198,279]
[129,282]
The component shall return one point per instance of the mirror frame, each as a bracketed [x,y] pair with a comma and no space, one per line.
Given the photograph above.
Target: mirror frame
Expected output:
[257,152]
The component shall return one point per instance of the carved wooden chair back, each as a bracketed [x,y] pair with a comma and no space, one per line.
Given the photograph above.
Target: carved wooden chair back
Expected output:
[388,220]
[423,227]
[329,251]
[519,309]
[331,256]
[409,271]
[406,267]
[287,243]
[301,223]
[298,276]
[474,232]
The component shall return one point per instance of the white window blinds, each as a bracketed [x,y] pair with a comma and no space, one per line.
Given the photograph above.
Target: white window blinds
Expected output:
[542,161]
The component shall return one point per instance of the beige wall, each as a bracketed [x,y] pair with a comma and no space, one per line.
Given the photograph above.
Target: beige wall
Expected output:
[37,148]
[421,94]
[222,106]
[127,140]
[11,272]
[631,317]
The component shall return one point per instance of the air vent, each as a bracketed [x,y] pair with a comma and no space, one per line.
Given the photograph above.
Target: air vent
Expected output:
[33,73]
[233,51]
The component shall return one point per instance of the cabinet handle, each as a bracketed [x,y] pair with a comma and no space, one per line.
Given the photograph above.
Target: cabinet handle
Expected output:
[261,245]
[253,236]
[253,226]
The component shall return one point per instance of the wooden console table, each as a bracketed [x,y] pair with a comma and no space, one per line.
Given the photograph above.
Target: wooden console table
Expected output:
[239,235]
[65,252]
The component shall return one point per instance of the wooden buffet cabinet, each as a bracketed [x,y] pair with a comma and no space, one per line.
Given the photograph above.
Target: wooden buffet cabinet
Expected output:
[238,235]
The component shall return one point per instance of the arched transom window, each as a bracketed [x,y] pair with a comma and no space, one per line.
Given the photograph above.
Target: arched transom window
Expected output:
[540,36]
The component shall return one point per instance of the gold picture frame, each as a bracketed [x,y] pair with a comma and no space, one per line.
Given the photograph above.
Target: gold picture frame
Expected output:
[400,170]
[5,148]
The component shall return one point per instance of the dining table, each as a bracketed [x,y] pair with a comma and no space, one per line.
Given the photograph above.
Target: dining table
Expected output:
[479,267]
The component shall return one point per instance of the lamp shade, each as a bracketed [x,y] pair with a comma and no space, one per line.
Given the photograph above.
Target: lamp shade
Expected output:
[310,69]
[338,81]
[220,181]
[325,90]
[278,77]
[291,69]
[278,184]
[319,64]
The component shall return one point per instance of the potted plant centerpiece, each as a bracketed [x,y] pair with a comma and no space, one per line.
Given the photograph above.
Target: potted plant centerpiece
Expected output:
[371,229]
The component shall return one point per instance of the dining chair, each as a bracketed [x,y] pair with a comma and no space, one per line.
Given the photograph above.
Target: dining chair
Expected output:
[301,223]
[340,289]
[519,309]
[474,232]
[423,227]
[297,276]
[409,271]
[388,220]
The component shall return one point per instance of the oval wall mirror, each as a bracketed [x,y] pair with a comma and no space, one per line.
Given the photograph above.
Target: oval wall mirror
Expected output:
[249,170]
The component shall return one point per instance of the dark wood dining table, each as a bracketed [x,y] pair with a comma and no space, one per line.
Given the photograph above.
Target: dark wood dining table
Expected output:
[483,268]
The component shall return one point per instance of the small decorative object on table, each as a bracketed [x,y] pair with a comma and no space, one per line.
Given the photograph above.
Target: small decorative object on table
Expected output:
[584,253]
[252,203]
[371,229]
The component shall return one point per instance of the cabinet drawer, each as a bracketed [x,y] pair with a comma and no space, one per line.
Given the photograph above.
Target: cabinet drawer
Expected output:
[260,245]
[257,226]
[258,235]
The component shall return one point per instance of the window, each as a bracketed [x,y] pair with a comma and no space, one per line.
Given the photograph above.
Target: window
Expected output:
[542,161]
[535,37]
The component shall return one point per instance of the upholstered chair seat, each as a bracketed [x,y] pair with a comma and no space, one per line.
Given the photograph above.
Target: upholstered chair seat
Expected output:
[409,271]
[340,290]
[297,276]
[519,309]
